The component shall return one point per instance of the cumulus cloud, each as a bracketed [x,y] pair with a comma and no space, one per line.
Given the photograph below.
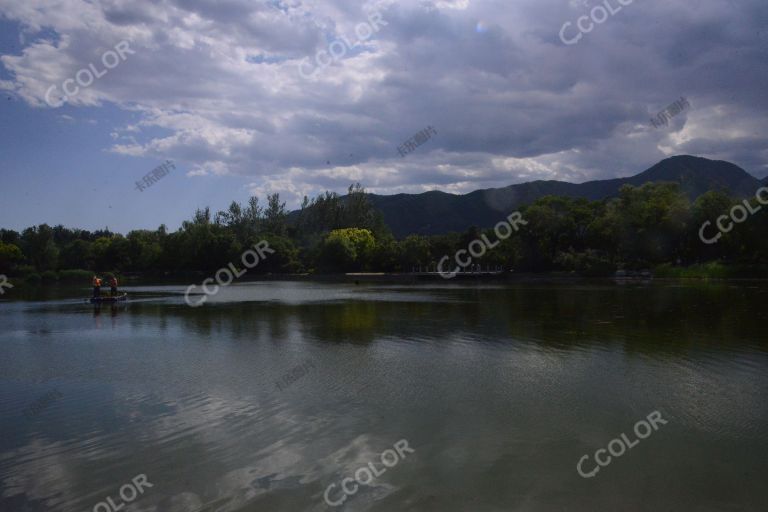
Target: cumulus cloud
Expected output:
[218,87]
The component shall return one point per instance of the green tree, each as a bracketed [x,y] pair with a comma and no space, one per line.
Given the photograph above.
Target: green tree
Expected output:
[39,247]
[10,256]
[414,252]
[646,224]
[348,249]
[144,250]
[707,209]
[275,216]
[77,255]
[555,226]
[283,258]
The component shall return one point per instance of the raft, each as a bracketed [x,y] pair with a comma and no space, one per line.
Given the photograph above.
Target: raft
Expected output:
[107,298]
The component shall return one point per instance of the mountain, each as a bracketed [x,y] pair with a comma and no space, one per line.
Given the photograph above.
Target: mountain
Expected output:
[437,212]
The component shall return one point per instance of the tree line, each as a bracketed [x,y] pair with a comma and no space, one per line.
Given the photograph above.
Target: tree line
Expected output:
[654,226]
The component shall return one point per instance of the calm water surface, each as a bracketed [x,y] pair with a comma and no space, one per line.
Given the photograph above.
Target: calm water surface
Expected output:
[499,390]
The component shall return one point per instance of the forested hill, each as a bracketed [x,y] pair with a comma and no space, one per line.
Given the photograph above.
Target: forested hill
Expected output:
[651,223]
[436,212]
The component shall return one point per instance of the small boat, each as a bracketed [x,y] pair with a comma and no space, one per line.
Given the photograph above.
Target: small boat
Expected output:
[108,298]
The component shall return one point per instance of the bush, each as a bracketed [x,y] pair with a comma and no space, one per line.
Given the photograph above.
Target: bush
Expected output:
[24,270]
[712,270]
[50,275]
[76,275]
[587,264]
[33,278]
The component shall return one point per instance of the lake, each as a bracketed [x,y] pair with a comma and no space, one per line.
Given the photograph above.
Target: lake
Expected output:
[294,395]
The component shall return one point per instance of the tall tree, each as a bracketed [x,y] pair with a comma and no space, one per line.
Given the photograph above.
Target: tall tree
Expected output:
[275,216]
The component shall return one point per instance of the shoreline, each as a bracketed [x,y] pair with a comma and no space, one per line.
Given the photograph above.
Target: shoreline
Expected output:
[135,279]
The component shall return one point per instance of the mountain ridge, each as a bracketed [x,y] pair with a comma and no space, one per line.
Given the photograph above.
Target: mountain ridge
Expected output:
[437,212]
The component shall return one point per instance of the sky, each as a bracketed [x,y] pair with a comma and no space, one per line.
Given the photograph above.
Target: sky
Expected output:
[251,97]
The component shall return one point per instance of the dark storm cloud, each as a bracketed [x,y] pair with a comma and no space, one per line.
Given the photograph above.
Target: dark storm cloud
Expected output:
[510,101]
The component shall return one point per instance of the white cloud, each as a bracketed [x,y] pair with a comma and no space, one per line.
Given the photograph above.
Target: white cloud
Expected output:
[217,87]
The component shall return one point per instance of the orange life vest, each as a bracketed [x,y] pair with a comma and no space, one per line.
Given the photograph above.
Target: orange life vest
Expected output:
[97,282]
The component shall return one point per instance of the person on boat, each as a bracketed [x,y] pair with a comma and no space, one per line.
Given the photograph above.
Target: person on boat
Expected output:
[96,286]
[113,286]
